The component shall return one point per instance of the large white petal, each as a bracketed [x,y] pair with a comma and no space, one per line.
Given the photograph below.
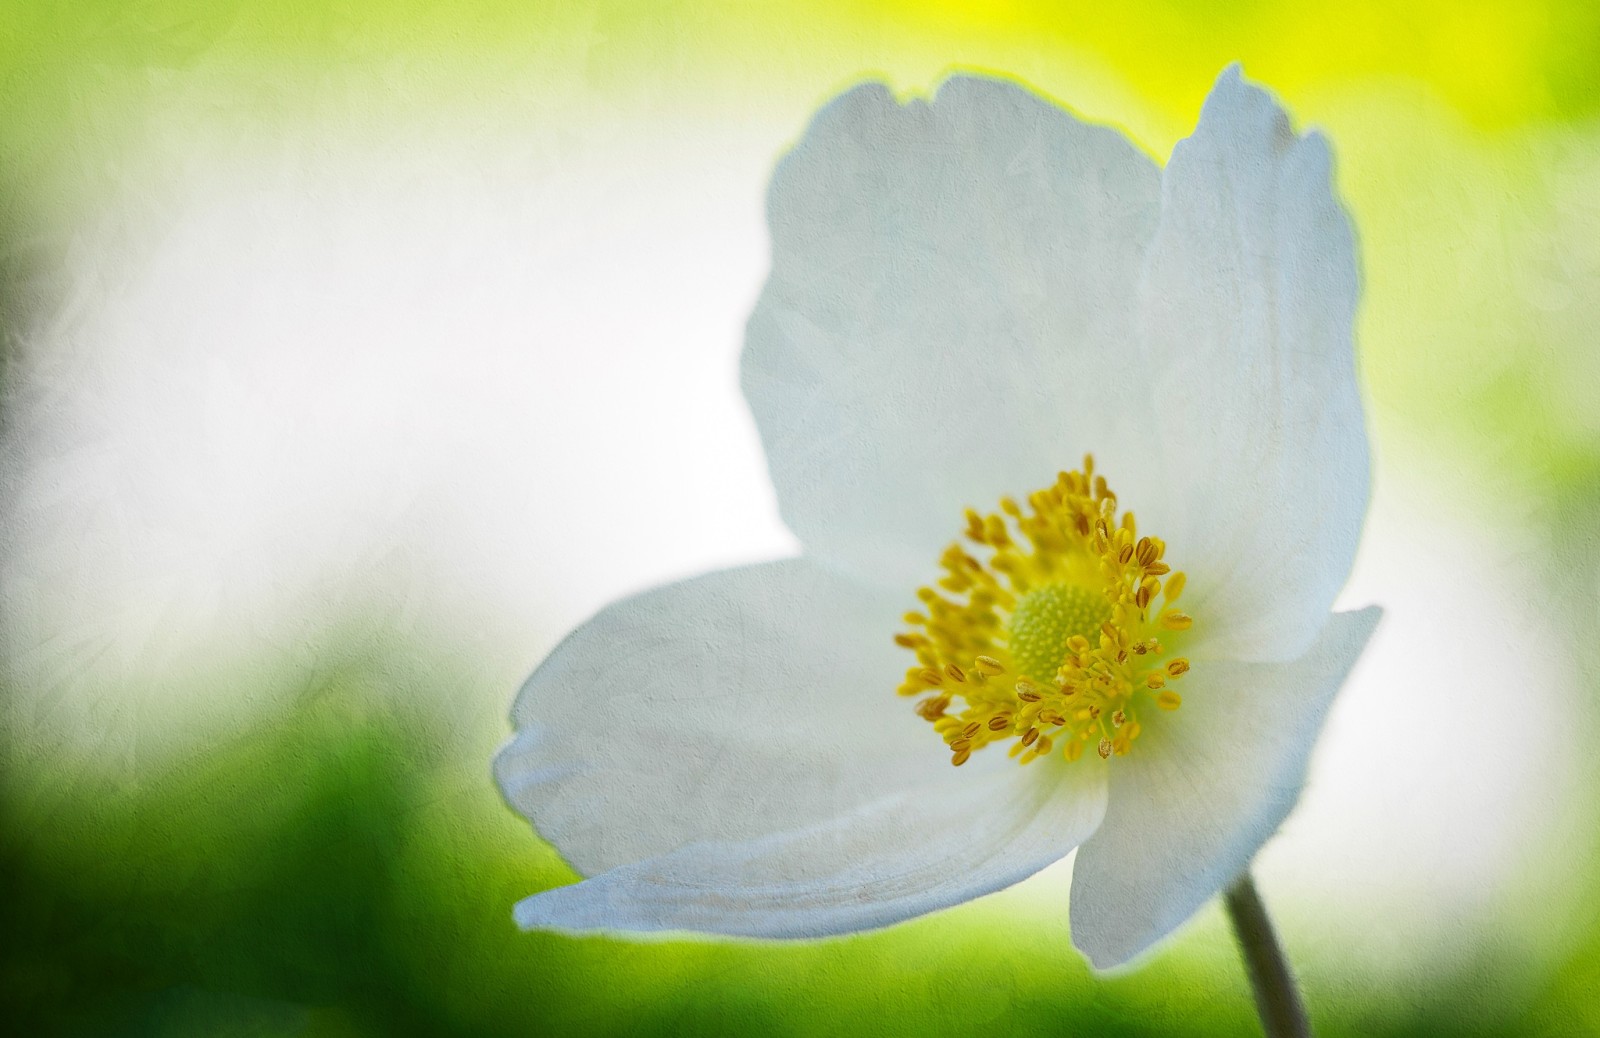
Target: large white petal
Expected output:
[729,706]
[962,836]
[1203,789]
[1255,421]
[948,316]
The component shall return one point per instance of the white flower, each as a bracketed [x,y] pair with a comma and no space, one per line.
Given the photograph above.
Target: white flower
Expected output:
[966,296]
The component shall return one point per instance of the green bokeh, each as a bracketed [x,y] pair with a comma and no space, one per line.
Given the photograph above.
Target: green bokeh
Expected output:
[339,870]
[345,867]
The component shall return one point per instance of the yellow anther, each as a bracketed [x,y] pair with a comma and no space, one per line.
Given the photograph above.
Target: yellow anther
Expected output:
[1169,700]
[1175,586]
[961,757]
[988,665]
[974,525]
[1065,603]
[1176,621]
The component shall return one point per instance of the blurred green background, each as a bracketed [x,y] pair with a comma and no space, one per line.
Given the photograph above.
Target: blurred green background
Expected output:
[250,702]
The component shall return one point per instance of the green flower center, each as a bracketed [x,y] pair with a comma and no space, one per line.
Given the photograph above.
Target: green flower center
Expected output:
[1045,618]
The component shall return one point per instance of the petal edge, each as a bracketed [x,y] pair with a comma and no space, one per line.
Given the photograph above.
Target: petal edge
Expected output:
[1184,818]
[899,857]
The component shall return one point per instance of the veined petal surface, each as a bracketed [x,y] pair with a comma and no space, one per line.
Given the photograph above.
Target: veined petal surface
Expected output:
[1203,790]
[733,705]
[949,316]
[962,836]
[1257,429]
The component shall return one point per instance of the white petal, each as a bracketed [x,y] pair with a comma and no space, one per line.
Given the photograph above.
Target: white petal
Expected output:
[1202,790]
[729,706]
[963,836]
[951,298]
[1249,302]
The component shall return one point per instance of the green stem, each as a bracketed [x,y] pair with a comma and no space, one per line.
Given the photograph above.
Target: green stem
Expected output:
[1283,1015]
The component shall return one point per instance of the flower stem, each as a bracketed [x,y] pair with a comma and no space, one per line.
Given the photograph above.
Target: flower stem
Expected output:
[1283,1015]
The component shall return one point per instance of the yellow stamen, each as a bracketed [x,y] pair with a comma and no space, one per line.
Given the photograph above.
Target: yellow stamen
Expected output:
[1175,587]
[1068,604]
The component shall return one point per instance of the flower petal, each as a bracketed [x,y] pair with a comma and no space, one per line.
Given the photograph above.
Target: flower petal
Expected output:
[905,855]
[1249,303]
[1203,790]
[950,302]
[729,706]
